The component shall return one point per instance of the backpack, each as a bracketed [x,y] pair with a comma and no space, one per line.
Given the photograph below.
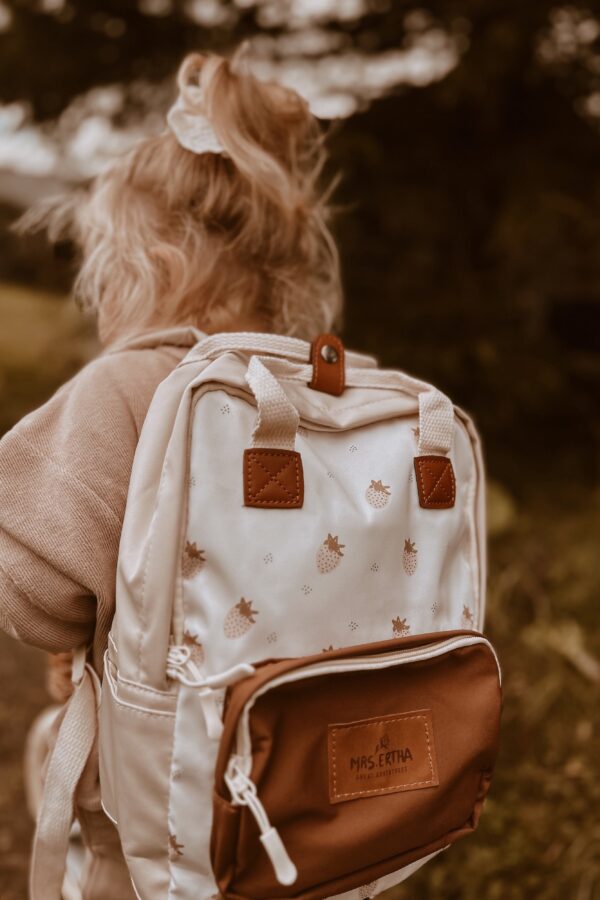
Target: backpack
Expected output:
[297,698]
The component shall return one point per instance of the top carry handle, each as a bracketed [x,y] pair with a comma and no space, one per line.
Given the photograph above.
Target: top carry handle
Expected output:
[256,344]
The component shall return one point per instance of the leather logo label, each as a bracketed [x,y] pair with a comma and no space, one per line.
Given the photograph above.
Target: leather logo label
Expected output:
[381,756]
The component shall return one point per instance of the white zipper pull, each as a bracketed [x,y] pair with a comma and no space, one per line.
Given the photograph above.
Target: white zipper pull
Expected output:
[243,793]
[182,668]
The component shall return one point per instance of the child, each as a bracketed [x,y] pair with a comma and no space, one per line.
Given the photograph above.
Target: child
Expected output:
[218,224]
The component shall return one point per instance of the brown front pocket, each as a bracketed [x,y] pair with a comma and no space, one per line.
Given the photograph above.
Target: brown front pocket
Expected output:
[363,760]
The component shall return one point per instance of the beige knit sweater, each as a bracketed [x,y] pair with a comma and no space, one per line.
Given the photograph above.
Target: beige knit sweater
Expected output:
[64,474]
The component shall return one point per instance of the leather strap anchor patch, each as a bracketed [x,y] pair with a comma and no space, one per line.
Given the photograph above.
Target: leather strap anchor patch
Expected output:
[435,482]
[273,479]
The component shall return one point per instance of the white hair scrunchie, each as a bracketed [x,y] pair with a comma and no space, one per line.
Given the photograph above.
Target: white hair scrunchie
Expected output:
[192,129]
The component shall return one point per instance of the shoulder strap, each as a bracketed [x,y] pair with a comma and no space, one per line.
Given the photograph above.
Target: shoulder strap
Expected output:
[74,744]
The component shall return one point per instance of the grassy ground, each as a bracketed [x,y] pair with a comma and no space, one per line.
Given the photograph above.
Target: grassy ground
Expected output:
[21,697]
[540,833]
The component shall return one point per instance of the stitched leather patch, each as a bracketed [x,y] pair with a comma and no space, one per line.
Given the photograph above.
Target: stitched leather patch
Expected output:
[381,756]
[435,482]
[329,370]
[273,479]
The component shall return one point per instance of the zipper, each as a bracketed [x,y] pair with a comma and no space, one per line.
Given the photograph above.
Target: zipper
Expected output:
[243,793]
[358,664]
[182,668]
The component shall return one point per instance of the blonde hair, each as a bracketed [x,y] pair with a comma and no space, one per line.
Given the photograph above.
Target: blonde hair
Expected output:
[221,241]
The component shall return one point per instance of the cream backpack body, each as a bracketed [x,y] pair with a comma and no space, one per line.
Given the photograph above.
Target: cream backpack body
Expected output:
[297,701]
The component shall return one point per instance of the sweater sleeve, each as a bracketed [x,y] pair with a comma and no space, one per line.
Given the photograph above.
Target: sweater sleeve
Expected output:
[64,474]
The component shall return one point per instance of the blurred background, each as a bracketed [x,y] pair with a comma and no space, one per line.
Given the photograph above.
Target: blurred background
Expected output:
[468,136]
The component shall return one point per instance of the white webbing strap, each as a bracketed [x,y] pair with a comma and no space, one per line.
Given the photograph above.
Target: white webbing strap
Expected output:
[436,423]
[71,752]
[277,418]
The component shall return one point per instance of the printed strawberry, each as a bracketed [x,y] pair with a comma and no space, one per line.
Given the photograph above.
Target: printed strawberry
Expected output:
[193,560]
[378,494]
[367,891]
[196,649]
[399,627]
[175,849]
[240,619]
[409,557]
[329,554]
[467,618]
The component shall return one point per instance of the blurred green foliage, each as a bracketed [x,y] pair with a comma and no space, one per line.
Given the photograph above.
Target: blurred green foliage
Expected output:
[539,836]
[469,209]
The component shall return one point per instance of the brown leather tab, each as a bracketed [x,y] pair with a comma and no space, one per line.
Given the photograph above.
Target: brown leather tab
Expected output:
[273,479]
[381,756]
[435,482]
[327,359]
